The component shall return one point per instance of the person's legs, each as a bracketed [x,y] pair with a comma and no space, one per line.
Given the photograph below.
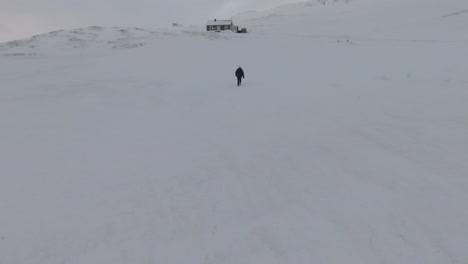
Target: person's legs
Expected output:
[239,80]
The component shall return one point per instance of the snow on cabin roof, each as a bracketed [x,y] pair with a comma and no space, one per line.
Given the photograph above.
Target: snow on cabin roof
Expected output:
[219,22]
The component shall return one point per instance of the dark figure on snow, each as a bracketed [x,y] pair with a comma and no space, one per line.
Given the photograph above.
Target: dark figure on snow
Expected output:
[239,75]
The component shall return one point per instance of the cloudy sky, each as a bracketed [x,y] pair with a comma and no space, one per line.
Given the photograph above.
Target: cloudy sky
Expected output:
[23,18]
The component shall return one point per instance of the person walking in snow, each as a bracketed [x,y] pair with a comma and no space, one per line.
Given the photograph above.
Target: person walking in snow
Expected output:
[239,75]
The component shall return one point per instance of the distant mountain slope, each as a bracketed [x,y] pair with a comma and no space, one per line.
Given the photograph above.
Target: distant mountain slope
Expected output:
[376,19]
[96,37]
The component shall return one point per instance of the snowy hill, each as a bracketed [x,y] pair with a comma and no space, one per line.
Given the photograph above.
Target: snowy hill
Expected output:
[345,144]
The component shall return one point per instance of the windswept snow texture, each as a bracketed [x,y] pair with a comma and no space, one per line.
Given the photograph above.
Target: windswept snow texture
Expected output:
[346,143]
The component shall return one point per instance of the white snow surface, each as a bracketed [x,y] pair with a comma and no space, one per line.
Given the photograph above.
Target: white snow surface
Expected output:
[346,143]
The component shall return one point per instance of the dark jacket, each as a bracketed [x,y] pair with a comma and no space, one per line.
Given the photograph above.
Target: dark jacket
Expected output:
[240,73]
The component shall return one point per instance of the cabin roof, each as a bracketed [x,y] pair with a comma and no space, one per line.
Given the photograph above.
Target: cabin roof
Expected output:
[219,22]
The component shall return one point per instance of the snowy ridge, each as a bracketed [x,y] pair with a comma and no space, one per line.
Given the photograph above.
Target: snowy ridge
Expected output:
[346,142]
[326,2]
[80,38]
[97,37]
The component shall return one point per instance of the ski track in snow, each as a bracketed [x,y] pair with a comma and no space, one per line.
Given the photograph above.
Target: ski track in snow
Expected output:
[457,13]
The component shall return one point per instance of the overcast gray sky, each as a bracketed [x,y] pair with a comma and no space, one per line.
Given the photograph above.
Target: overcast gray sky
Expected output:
[24,18]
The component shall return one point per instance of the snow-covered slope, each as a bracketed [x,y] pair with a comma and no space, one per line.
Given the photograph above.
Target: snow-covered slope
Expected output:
[345,144]
[370,20]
